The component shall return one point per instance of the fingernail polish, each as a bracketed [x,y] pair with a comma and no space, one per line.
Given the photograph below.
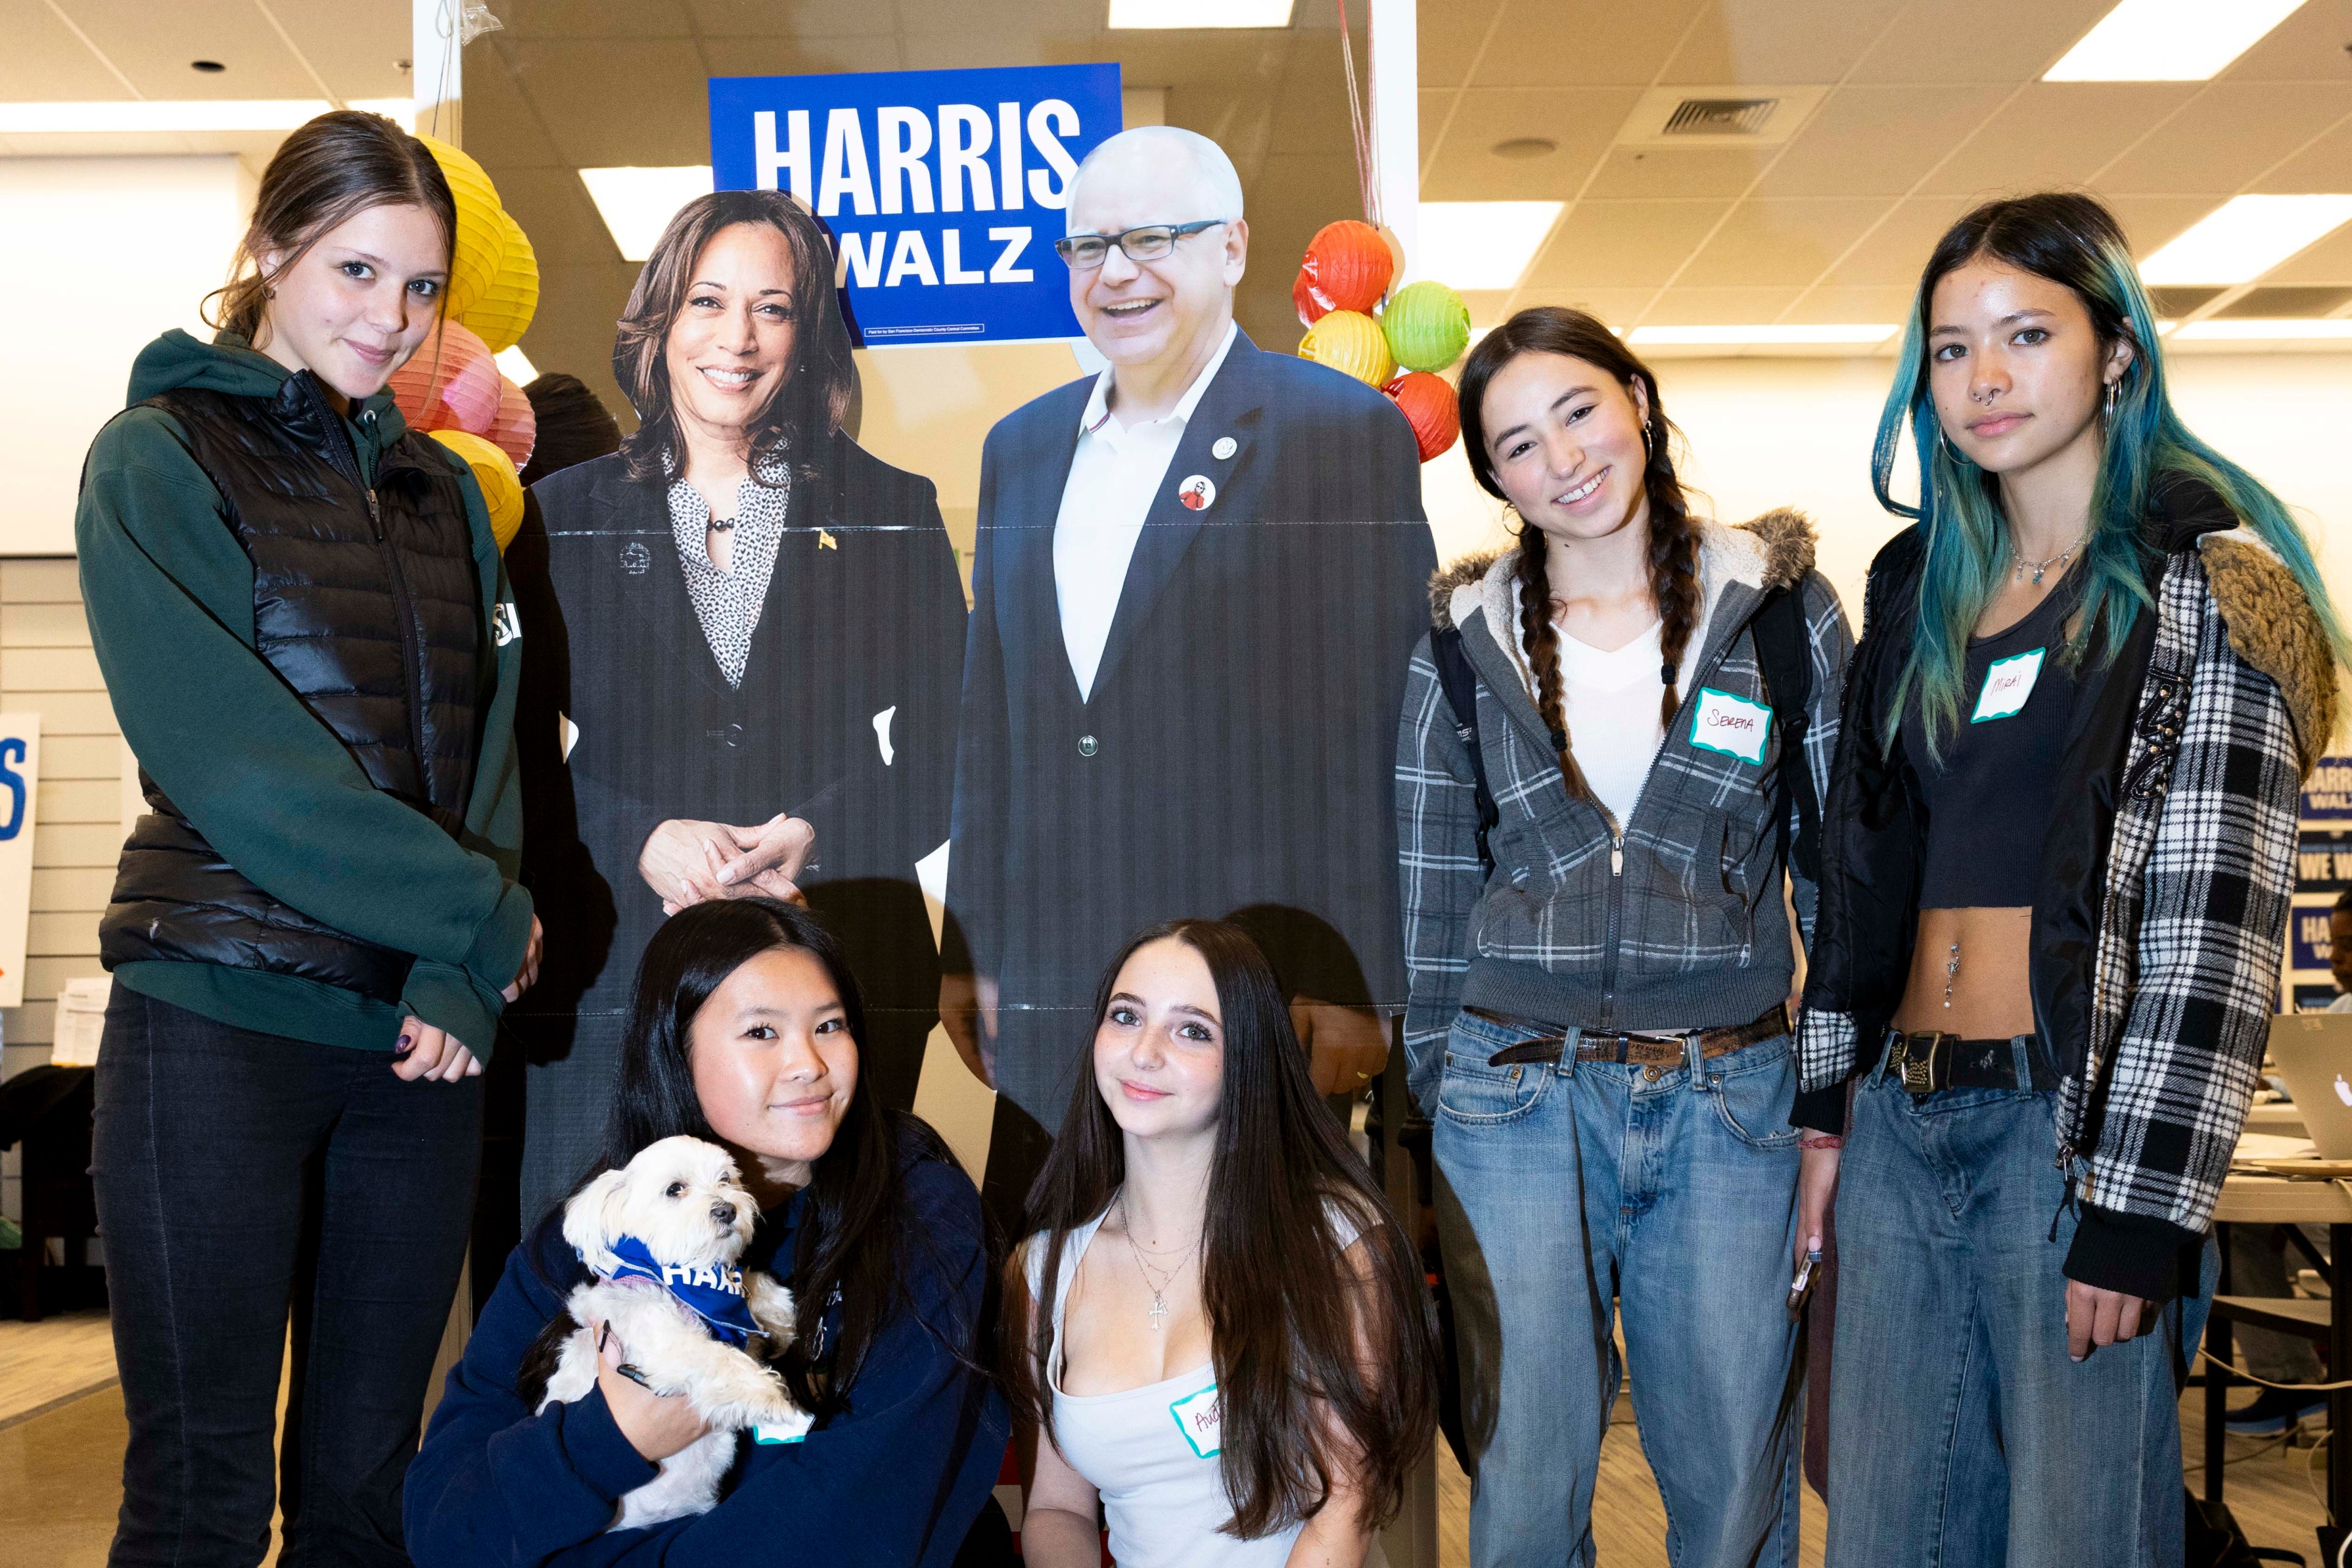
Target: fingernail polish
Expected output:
[401,1046]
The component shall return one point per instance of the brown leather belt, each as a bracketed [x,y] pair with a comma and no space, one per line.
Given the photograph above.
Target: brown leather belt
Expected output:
[1627,1046]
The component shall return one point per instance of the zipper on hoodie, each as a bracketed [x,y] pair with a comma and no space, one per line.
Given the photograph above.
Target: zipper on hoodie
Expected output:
[339,451]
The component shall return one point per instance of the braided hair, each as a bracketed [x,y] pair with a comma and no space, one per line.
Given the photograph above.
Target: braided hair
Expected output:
[1674,534]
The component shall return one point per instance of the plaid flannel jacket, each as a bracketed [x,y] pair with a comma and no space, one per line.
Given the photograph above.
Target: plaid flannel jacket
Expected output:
[2193,911]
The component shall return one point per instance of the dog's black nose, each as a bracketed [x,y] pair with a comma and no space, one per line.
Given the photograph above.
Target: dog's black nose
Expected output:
[724,1213]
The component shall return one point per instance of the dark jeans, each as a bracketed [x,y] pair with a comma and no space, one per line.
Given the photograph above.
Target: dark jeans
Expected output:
[238,1175]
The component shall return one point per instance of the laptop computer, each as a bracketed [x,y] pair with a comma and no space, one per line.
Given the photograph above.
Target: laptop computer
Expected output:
[2312,1053]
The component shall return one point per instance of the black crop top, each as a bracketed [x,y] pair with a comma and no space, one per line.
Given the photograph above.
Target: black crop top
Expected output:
[1989,794]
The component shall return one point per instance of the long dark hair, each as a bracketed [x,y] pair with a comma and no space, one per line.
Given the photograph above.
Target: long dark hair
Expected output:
[857,1223]
[1291,1341]
[331,169]
[1674,534]
[818,385]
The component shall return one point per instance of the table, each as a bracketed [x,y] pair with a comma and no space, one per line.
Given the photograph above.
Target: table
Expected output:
[2280,1118]
[2275,1200]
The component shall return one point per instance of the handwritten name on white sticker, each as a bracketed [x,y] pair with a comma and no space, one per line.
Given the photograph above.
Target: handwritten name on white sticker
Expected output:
[1200,1417]
[1731,725]
[2008,683]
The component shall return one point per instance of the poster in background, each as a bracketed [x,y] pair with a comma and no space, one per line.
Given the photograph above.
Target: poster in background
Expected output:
[2323,869]
[20,772]
[944,189]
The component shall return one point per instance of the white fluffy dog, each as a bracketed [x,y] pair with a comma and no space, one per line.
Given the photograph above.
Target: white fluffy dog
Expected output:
[664,1237]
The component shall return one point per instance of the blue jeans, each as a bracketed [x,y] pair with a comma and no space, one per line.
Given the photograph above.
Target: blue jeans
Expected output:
[1960,1432]
[1565,1190]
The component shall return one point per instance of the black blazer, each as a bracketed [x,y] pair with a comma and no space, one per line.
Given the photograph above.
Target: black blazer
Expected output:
[1238,747]
[865,614]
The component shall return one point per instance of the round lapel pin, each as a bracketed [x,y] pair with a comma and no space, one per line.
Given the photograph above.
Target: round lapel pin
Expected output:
[1226,447]
[1197,492]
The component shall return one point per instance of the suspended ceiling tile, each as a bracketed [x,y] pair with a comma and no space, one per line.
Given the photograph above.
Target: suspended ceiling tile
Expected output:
[1581,120]
[153,45]
[976,20]
[1774,41]
[2269,303]
[945,51]
[1610,307]
[2056,133]
[1739,307]
[2328,261]
[808,56]
[548,19]
[2308,46]
[1783,241]
[1989,40]
[1488,307]
[1850,304]
[1892,253]
[2324,165]
[1543,43]
[804,19]
[1310,108]
[1622,244]
[1878,140]
[554,210]
[500,121]
[43,62]
[2227,135]
[2150,221]
[1451,36]
[574,83]
[1184,58]
[1434,108]
[1632,173]
[357,48]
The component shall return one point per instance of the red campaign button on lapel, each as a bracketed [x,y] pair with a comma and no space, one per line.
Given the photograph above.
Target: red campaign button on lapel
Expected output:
[1197,492]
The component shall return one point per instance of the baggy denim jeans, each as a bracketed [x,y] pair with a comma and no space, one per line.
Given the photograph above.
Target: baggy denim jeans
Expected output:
[1564,1191]
[1961,1434]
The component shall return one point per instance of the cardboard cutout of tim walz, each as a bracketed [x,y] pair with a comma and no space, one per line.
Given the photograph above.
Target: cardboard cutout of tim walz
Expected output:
[744,650]
[1197,583]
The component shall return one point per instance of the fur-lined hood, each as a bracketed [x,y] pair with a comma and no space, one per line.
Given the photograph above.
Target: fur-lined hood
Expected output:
[2273,626]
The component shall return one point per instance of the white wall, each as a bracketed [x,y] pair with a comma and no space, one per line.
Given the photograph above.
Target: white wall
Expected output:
[97,257]
[1797,432]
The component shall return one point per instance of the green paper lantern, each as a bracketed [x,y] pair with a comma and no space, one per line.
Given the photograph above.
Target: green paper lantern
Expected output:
[1427,326]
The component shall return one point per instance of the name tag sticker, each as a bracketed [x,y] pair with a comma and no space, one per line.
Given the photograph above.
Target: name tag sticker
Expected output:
[793,1431]
[1732,725]
[2008,683]
[1200,1417]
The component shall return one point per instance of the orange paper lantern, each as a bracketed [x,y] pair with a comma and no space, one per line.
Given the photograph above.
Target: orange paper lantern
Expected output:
[515,430]
[1351,344]
[1302,297]
[1348,266]
[450,383]
[1430,408]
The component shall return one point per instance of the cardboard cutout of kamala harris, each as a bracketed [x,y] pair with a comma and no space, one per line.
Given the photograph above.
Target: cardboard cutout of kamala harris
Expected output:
[743,659]
[1198,581]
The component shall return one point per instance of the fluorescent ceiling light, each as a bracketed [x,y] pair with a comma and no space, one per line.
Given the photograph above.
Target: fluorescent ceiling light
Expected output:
[515,366]
[2244,238]
[2240,329]
[1482,245]
[637,203]
[1872,333]
[1200,13]
[2170,40]
[149,116]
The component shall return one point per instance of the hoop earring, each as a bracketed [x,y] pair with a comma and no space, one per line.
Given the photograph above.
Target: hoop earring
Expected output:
[1648,456]
[2114,395]
[1950,451]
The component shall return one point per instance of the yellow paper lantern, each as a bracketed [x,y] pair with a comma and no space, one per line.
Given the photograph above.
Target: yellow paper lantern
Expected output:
[481,240]
[503,313]
[495,472]
[1351,344]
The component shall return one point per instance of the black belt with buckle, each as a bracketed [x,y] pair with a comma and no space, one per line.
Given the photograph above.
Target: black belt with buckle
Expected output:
[1929,1062]
[1624,1047]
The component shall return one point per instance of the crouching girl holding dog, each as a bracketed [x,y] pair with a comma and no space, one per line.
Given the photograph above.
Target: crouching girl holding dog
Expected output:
[745,1032]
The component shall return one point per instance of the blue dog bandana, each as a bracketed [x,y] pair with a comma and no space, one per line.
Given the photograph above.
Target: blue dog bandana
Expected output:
[715,1295]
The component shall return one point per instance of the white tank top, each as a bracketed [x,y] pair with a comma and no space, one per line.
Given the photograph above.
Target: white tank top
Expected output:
[1151,1454]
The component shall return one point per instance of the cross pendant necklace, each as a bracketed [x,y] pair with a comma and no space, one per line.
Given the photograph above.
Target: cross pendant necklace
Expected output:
[1158,1306]
[1160,1309]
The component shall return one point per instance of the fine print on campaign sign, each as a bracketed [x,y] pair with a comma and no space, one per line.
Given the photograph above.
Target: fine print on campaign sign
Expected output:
[944,189]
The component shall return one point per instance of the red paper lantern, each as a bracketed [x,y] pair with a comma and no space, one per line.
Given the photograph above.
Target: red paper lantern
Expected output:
[1429,408]
[515,430]
[450,383]
[1302,295]
[1348,266]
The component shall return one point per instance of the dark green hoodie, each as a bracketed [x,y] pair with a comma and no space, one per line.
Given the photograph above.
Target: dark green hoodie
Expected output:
[170,596]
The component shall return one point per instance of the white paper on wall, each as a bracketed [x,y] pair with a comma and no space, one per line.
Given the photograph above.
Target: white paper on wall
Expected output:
[82,1020]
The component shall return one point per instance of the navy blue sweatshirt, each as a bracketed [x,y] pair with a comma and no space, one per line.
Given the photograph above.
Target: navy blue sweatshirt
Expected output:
[895,1479]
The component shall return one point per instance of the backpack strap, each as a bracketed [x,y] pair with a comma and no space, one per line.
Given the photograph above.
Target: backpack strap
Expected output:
[1787,665]
[1460,684]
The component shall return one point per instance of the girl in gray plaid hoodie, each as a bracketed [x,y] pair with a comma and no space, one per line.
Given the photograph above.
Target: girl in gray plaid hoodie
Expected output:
[2057,850]
[1600,954]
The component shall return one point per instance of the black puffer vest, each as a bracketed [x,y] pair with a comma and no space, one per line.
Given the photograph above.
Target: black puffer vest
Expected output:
[367,605]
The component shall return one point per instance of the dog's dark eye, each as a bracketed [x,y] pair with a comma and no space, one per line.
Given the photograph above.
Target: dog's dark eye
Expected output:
[675,1189]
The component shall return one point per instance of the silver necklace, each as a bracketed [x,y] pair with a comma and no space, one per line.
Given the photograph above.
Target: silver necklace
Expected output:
[1160,1307]
[2038,567]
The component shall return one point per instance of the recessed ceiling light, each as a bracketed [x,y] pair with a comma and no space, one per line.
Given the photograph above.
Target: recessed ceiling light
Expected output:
[1200,13]
[637,203]
[2242,328]
[207,66]
[1527,147]
[2244,238]
[1482,245]
[2170,40]
[515,366]
[138,115]
[1865,333]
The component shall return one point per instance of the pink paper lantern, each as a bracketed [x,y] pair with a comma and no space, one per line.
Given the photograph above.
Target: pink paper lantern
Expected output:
[516,429]
[451,383]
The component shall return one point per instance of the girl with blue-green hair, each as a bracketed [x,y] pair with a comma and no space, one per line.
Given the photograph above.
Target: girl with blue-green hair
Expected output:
[2057,850]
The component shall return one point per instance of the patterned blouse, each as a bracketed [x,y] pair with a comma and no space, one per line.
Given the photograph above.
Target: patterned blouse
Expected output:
[728,604]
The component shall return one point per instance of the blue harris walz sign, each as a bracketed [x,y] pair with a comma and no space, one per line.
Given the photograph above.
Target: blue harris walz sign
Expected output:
[944,189]
[2327,793]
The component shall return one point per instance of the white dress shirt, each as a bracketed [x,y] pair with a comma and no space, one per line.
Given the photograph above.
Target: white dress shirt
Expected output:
[1115,473]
